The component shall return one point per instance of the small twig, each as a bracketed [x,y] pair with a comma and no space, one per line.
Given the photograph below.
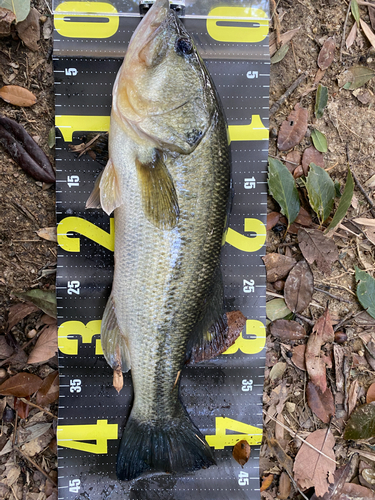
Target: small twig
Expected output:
[294,57]
[331,295]
[303,318]
[36,406]
[294,434]
[346,319]
[277,23]
[287,93]
[36,465]
[344,30]
[369,201]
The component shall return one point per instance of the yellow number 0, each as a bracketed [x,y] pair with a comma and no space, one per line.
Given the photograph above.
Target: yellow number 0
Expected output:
[80,29]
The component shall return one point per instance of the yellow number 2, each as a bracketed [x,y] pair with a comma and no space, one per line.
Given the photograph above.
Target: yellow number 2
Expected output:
[85,228]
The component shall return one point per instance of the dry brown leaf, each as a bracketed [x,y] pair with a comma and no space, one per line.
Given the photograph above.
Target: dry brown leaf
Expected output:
[303,218]
[48,233]
[272,219]
[284,39]
[266,482]
[279,453]
[287,330]
[21,385]
[321,403]
[352,36]
[21,407]
[38,444]
[368,32]
[285,486]
[352,491]
[278,266]
[312,468]
[7,18]
[49,390]
[371,13]
[334,491]
[29,30]
[298,357]
[45,347]
[315,364]
[19,311]
[299,287]
[316,247]
[327,53]
[17,95]
[353,396]
[5,349]
[241,452]
[292,160]
[311,155]
[293,129]
[370,395]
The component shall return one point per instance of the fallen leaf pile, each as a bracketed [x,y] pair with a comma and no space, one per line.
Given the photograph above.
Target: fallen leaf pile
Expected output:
[319,399]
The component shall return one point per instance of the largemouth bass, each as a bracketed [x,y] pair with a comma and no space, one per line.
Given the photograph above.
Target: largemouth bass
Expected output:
[168,182]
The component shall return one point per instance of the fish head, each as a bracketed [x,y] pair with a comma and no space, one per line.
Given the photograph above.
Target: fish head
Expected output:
[163,91]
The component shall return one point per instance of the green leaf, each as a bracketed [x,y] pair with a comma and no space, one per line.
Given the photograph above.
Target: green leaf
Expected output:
[355,10]
[321,191]
[282,187]
[357,76]
[319,140]
[345,202]
[21,8]
[366,290]
[277,309]
[337,189]
[321,100]
[280,54]
[52,138]
[46,301]
[361,424]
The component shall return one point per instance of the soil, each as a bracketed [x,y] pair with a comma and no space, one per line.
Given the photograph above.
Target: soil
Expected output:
[28,261]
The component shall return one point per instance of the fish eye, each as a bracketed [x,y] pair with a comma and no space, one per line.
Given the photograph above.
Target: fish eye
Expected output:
[183,46]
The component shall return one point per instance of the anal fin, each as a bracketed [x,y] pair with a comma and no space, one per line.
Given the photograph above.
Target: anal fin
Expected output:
[113,340]
[214,331]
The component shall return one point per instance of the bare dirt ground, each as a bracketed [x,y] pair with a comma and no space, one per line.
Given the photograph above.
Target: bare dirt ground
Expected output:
[27,261]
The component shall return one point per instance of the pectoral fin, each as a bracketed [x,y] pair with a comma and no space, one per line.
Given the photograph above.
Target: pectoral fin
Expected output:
[93,200]
[159,197]
[113,340]
[110,193]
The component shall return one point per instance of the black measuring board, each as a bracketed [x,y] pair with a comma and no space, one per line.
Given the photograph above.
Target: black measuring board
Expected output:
[223,396]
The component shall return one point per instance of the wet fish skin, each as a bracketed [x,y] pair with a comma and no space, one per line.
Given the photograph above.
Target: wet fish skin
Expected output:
[168,181]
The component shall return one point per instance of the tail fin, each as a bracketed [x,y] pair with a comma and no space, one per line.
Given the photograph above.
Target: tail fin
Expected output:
[173,446]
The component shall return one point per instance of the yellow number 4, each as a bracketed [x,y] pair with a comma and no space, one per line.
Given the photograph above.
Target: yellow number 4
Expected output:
[251,434]
[72,436]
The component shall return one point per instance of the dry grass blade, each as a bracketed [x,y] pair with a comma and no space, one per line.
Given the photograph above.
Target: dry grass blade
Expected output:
[368,32]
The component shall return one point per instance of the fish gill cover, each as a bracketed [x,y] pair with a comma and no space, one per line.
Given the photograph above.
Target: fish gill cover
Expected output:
[222,396]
